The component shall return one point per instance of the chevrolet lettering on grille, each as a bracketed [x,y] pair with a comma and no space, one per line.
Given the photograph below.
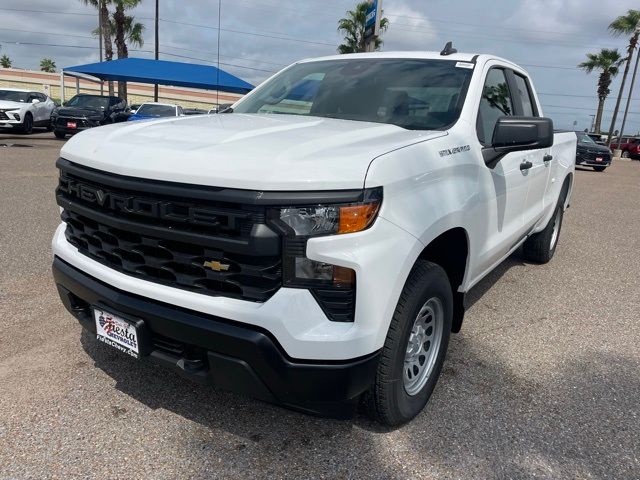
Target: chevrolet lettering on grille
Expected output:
[172,211]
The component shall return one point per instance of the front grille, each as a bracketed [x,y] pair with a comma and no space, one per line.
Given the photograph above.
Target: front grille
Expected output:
[590,155]
[190,241]
[80,122]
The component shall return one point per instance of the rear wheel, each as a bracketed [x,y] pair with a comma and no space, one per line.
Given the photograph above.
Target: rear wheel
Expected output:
[59,134]
[599,169]
[625,154]
[27,124]
[415,347]
[541,246]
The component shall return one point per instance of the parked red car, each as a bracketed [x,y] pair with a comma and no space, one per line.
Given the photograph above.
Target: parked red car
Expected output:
[630,147]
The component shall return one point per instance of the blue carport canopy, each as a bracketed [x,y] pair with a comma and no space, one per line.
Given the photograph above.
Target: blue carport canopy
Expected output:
[163,72]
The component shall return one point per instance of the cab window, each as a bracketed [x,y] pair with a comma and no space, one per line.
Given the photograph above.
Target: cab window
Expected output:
[524,93]
[495,103]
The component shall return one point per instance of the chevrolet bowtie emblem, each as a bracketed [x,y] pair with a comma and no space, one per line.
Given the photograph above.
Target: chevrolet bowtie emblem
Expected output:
[216,266]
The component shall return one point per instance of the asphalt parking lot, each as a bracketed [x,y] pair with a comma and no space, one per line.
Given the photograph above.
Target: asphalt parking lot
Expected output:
[543,381]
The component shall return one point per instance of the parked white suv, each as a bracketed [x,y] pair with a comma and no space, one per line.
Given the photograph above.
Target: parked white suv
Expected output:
[24,109]
[313,247]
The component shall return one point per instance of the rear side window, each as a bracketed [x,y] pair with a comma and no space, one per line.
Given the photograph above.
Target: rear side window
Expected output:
[525,96]
[495,103]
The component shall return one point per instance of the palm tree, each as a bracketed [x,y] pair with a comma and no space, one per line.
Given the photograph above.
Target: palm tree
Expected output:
[126,30]
[628,24]
[353,29]
[5,61]
[101,6]
[608,62]
[47,65]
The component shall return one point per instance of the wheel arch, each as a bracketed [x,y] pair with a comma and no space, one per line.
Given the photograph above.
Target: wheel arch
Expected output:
[450,250]
[568,184]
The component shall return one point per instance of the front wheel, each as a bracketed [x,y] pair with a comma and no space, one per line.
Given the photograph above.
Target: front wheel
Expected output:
[27,124]
[415,347]
[625,154]
[599,169]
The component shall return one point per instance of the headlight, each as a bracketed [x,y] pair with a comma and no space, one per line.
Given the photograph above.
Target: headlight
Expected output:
[329,219]
[299,223]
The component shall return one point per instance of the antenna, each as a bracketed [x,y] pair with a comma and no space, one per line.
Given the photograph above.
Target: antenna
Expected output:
[448,49]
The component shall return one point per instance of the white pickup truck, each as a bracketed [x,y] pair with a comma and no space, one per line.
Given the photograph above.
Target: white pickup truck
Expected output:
[312,247]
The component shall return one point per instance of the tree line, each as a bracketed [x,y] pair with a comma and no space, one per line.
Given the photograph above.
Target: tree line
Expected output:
[608,62]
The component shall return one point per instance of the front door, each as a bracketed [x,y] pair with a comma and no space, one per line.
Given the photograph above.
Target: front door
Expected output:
[506,185]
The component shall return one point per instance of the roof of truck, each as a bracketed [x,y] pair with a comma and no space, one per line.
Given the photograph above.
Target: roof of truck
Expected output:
[460,57]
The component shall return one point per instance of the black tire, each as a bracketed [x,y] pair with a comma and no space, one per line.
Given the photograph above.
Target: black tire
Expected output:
[59,134]
[541,247]
[27,124]
[599,169]
[387,401]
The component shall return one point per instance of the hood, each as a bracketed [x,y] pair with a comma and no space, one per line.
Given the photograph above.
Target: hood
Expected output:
[248,151]
[79,112]
[8,105]
[593,147]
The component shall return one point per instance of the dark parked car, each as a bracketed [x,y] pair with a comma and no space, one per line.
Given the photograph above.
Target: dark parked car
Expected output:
[590,154]
[87,111]
[630,146]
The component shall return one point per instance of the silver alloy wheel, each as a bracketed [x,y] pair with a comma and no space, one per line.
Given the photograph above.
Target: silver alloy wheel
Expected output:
[423,346]
[625,154]
[556,229]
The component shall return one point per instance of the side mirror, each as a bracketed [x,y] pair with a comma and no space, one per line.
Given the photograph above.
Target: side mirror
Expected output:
[35,100]
[514,134]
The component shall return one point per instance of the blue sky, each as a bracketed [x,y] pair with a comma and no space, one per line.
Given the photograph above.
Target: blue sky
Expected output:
[547,37]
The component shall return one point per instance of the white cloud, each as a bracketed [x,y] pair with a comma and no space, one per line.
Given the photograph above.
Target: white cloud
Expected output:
[409,29]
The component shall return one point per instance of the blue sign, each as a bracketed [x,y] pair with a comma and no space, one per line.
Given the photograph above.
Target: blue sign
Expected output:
[371,19]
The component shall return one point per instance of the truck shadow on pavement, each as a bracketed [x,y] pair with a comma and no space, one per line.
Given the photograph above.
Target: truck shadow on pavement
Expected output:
[489,417]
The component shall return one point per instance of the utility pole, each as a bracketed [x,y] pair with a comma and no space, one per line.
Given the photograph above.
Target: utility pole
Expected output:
[633,80]
[155,87]
[593,123]
[100,37]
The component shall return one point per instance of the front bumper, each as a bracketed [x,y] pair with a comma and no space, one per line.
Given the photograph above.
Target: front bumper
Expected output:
[60,124]
[241,358]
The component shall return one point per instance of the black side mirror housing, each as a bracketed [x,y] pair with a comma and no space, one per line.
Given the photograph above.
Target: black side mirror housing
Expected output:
[514,134]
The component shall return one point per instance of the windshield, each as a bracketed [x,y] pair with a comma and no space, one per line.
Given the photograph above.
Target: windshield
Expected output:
[152,110]
[410,93]
[93,102]
[584,138]
[13,96]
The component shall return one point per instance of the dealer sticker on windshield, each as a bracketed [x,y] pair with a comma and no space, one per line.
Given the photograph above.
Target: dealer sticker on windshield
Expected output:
[116,332]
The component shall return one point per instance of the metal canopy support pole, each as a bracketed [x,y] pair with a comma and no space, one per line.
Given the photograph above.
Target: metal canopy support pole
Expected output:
[100,37]
[62,86]
[155,87]
[77,85]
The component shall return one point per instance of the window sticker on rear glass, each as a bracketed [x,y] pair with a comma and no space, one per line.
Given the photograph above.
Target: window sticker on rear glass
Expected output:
[464,65]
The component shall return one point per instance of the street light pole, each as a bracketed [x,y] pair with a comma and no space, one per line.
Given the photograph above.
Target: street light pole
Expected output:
[157,48]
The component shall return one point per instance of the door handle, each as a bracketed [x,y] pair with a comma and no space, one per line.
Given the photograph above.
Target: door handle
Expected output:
[526,165]
[547,158]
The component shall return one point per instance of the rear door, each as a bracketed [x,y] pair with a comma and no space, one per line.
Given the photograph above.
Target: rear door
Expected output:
[541,160]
